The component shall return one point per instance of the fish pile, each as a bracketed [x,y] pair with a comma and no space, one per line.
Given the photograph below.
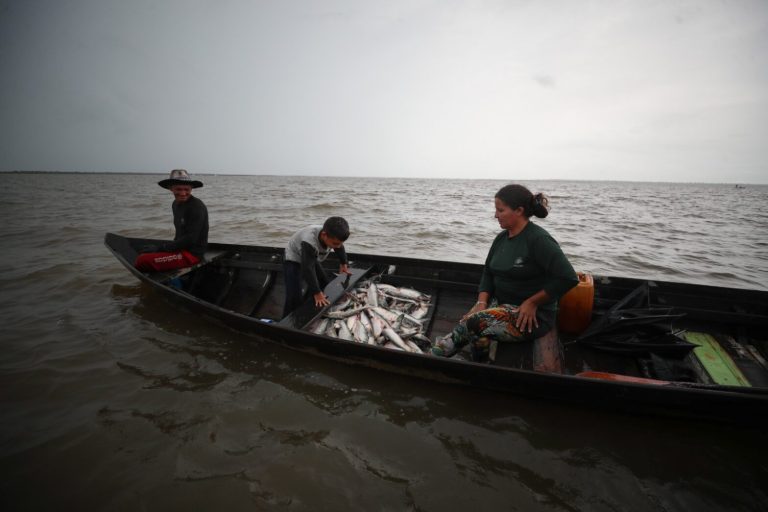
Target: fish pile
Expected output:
[379,314]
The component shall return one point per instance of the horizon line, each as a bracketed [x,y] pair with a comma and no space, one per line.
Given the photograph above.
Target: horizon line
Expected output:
[209,173]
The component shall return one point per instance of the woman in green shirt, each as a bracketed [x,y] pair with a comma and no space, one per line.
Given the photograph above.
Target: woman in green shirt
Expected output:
[525,274]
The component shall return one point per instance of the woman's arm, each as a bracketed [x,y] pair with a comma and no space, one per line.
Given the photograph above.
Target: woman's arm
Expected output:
[481,304]
[486,286]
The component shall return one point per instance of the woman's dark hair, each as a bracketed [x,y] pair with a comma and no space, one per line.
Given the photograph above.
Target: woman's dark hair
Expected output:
[516,196]
[336,227]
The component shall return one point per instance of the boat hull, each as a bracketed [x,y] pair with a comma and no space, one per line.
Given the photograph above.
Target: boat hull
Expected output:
[748,406]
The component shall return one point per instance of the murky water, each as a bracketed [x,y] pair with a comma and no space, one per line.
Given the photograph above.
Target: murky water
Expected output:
[112,399]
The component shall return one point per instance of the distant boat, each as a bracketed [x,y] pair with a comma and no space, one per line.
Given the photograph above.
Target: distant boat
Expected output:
[714,370]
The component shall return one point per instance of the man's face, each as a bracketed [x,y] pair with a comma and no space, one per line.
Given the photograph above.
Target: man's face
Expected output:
[181,192]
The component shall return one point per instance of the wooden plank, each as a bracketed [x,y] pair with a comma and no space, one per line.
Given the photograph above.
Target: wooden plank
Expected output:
[716,360]
[251,265]
[422,282]
[621,378]
[265,289]
[757,356]
[308,312]
[547,353]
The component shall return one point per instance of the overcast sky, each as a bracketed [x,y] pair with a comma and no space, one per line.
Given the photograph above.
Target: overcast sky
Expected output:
[624,90]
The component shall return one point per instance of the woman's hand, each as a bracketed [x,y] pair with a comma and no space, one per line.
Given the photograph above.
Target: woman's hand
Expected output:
[344,269]
[526,316]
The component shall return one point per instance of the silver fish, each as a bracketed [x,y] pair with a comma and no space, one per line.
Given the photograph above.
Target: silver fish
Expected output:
[385,314]
[421,311]
[344,332]
[420,337]
[413,321]
[409,333]
[366,321]
[344,314]
[361,334]
[399,298]
[376,323]
[406,293]
[392,336]
[343,304]
[414,347]
[373,299]
[378,313]
[321,326]
[399,322]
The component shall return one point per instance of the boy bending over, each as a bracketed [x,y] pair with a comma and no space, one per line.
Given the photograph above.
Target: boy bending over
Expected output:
[306,249]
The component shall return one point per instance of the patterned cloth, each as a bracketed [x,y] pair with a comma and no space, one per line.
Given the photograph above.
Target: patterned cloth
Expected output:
[497,323]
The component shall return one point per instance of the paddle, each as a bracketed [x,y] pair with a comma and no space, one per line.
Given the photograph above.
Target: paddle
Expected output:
[622,378]
[628,379]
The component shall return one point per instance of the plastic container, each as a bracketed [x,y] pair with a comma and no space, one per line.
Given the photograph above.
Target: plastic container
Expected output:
[575,309]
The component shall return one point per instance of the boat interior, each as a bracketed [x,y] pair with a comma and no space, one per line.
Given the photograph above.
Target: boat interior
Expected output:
[642,330]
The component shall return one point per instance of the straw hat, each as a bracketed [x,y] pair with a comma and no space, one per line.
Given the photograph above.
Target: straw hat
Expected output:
[179,177]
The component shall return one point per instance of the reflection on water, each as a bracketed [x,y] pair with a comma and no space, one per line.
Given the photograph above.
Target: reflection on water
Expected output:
[414,437]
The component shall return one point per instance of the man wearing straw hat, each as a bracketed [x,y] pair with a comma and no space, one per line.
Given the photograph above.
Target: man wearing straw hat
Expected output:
[190,218]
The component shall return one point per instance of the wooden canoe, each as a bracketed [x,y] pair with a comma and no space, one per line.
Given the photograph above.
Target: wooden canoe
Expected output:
[242,288]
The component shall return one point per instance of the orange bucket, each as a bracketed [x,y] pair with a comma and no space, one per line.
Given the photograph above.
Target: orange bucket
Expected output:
[575,308]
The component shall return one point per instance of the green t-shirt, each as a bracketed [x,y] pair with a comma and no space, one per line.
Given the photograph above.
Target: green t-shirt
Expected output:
[517,268]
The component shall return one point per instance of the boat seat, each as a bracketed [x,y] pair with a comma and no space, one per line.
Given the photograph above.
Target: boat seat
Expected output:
[544,354]
[249,265]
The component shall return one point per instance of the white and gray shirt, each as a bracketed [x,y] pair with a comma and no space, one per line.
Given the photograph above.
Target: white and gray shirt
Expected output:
[305,249]
[311,236]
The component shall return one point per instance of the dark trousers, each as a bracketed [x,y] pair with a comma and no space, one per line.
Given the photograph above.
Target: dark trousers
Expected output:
[294,296]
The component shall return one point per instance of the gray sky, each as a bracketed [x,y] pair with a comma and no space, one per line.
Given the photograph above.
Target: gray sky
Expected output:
[625,90]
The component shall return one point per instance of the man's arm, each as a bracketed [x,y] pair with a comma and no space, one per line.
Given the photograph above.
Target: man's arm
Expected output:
[308,259]
[343,260]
